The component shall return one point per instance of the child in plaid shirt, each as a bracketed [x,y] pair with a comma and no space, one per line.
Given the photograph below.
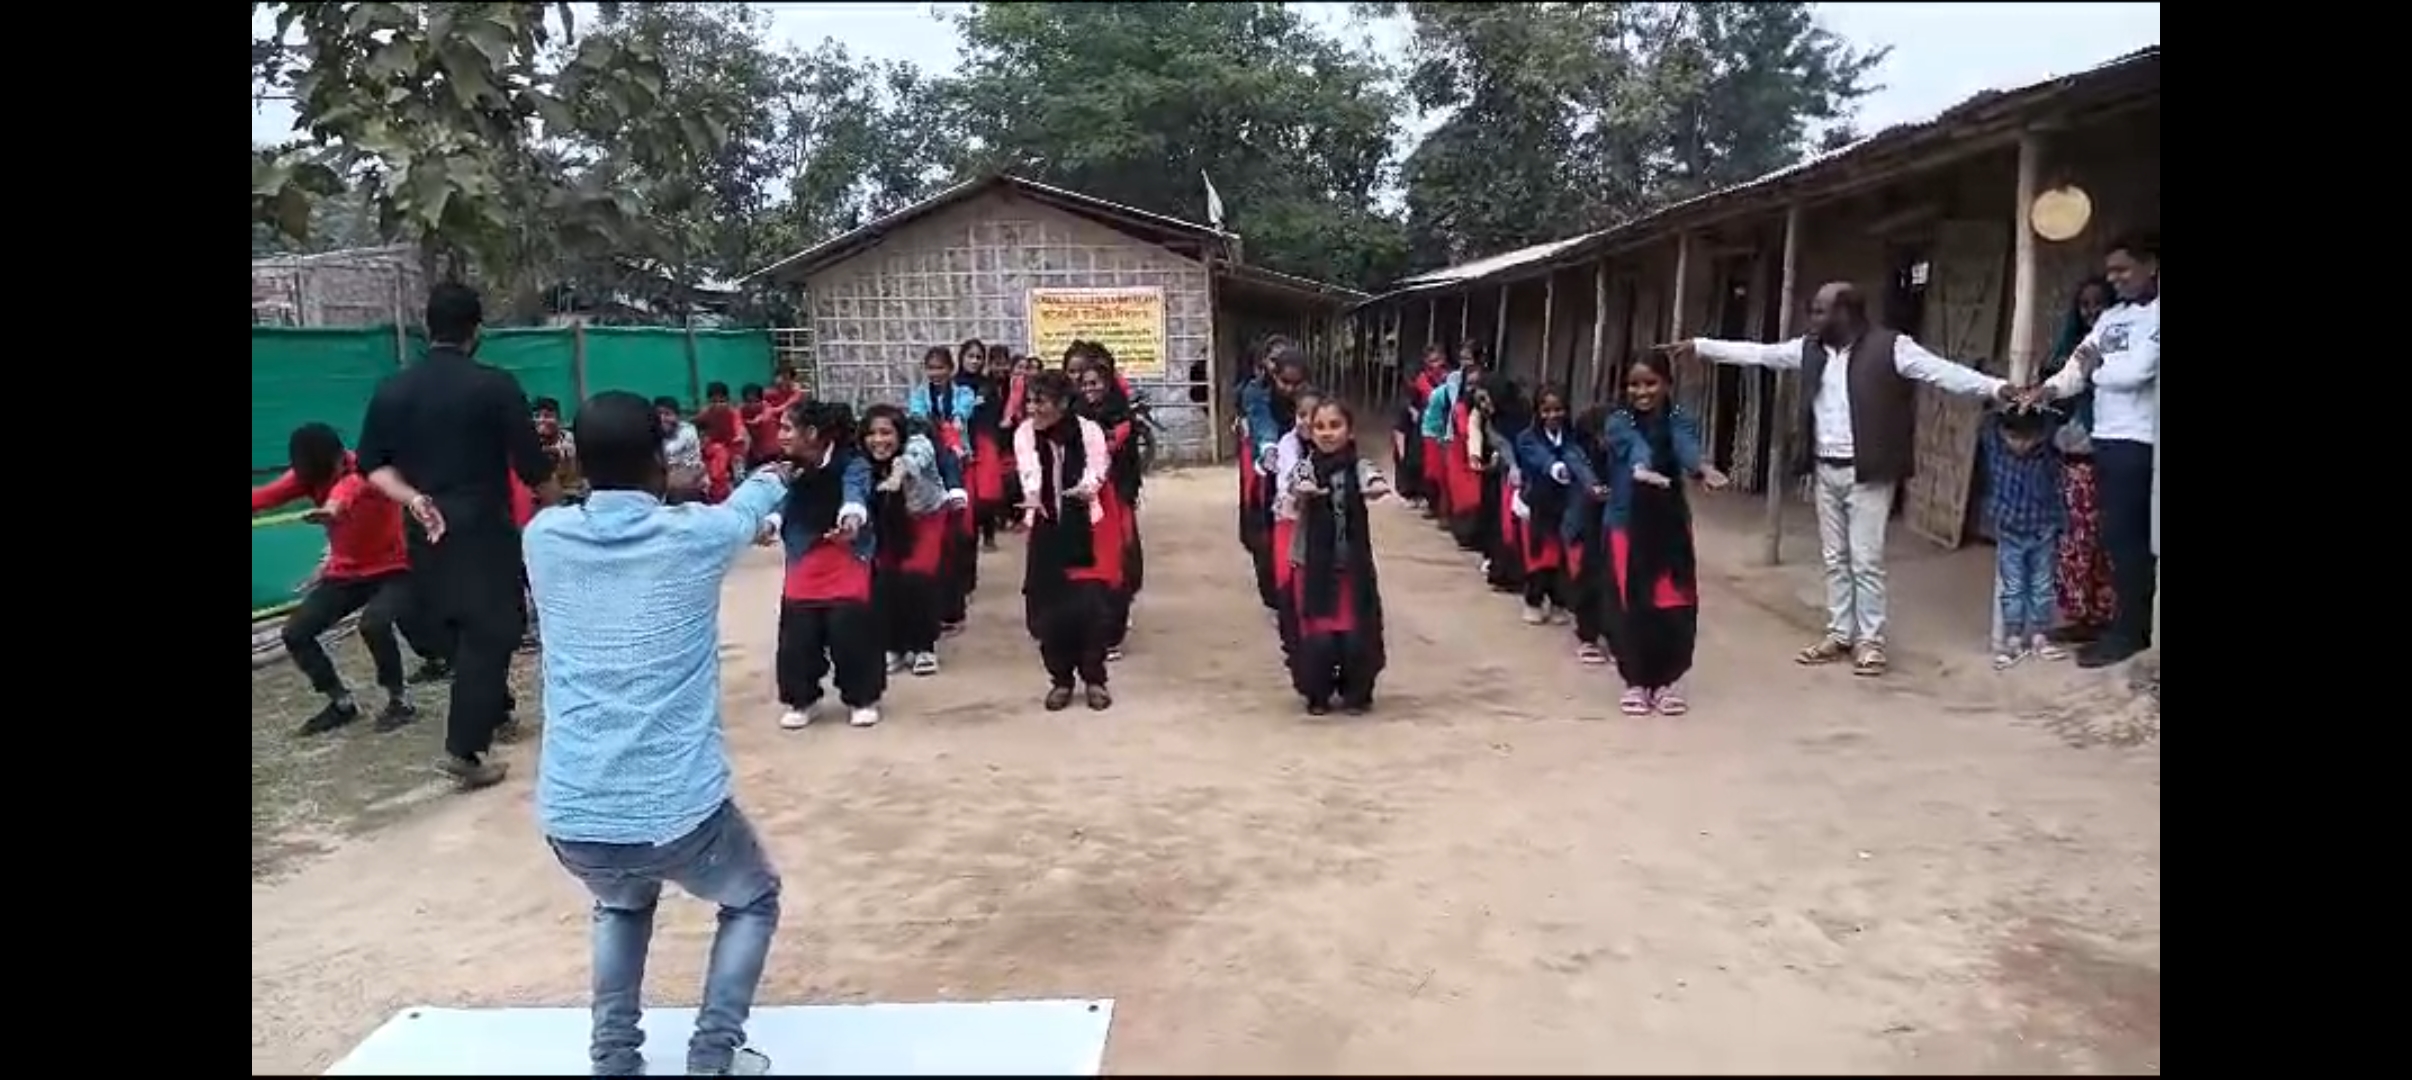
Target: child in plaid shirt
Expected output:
[2023,499]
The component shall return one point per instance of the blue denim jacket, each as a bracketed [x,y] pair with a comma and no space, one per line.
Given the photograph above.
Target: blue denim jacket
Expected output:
[1535,455]
[856,485]
[1627,447]
[961,397]
[1256,411]
[1436,408]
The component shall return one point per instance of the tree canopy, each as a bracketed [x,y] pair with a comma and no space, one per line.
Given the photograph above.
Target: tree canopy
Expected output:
[671,145]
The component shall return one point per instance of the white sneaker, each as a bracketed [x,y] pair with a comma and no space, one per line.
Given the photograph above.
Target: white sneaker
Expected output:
[747,1062]
[864,717]
[795,719]
[896,662]
[925,663]
[1535,616]
[1557,616]
[1114,655]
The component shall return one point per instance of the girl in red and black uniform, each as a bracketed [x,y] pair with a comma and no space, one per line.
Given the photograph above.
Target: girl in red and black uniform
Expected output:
[1653,445]
[825,621]
[1103,402]
[1333,594]
[1555,479]
[1461,470]
[1407,435]
[910,514]
[1075,563]
[1587,548]
[990,435]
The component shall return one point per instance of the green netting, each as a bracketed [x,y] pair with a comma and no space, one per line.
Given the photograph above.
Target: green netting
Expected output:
[300,375]
[642,359]
[304,374]
[281,556]
[735,357]
[544,359]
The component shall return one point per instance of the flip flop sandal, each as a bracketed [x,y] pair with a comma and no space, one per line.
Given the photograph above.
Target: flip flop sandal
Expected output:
[1590,654]
[1635,702]
[1671,703]
[1870,661]
[1826,651]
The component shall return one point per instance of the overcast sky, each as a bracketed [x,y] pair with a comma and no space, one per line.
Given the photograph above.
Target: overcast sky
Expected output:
[1942,52]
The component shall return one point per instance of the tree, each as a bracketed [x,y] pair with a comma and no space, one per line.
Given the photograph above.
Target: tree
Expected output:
[464,123]
[1564,118]
[1501,171]
[1135,102]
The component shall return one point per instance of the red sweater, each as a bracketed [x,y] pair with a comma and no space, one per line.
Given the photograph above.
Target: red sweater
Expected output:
[365,538]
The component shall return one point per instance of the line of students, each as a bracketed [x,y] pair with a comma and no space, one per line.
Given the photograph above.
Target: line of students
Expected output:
[884,510]
[1585,517]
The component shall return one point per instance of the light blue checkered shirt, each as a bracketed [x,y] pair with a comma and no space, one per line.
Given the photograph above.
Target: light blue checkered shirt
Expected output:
[628,597]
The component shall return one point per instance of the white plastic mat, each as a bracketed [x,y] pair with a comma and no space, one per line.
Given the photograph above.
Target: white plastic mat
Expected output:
[993,1038]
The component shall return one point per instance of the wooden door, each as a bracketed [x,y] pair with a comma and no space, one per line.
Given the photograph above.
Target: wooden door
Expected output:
[1963,323]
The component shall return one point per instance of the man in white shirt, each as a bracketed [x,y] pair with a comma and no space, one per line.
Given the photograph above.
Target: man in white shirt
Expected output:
[2121,359]
[1859,444]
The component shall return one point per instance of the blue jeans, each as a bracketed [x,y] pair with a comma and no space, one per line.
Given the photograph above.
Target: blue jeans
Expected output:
[721,861]
[2022,578]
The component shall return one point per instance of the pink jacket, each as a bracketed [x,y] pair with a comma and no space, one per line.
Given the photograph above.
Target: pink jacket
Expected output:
[1094,459]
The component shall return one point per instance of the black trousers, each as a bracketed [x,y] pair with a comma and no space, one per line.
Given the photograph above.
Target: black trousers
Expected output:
[2123,480]
[1654,645]
[1547,586]
[814,640]
[1073,632]
[1325,666]
[383,602]
[468,587]
[908,608]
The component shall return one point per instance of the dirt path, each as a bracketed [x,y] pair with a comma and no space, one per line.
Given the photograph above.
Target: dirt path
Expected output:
[1810,873]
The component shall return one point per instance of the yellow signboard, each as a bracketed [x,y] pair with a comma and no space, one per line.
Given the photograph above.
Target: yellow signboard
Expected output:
[1128,322]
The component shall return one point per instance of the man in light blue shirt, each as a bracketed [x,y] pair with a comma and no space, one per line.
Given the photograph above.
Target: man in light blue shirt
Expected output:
[633,786]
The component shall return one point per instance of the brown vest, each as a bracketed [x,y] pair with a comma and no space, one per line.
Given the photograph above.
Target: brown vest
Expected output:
[1884,410]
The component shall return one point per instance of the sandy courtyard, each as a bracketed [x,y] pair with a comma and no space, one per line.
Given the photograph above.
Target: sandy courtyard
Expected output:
[1494,873]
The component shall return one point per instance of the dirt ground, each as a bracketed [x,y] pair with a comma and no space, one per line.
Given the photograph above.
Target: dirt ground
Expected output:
[1493,874]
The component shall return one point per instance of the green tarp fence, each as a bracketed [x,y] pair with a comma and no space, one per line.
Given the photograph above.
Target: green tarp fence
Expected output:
[305,374]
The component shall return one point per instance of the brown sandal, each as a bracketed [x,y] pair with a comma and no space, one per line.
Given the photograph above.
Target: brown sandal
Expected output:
[1826,651]
[1099,699]
[1870,660]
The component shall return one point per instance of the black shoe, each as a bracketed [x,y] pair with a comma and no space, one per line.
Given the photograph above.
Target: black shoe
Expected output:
[397,714]
[1058,699]
[472,774]
[335,715]
[1319,708]
[2105,653]
[430,671]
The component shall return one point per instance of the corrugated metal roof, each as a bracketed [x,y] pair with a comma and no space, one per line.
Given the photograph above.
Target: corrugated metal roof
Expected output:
[1485,267]
[839,246]
[1891,137]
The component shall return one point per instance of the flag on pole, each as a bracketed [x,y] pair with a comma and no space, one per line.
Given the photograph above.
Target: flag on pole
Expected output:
[1214,201]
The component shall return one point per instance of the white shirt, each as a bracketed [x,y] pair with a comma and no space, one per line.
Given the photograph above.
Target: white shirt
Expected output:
[2127,399]
[1830,410]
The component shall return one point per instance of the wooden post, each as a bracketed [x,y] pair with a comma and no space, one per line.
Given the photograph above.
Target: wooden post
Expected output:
[1549,315]
[1683,279]
[1431,323]
[1778,471]
[1499,333]
[1214,372]
[694,370]
[578,358]
[2022,265]
[1599,323]
[1465,321]
[401,336]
